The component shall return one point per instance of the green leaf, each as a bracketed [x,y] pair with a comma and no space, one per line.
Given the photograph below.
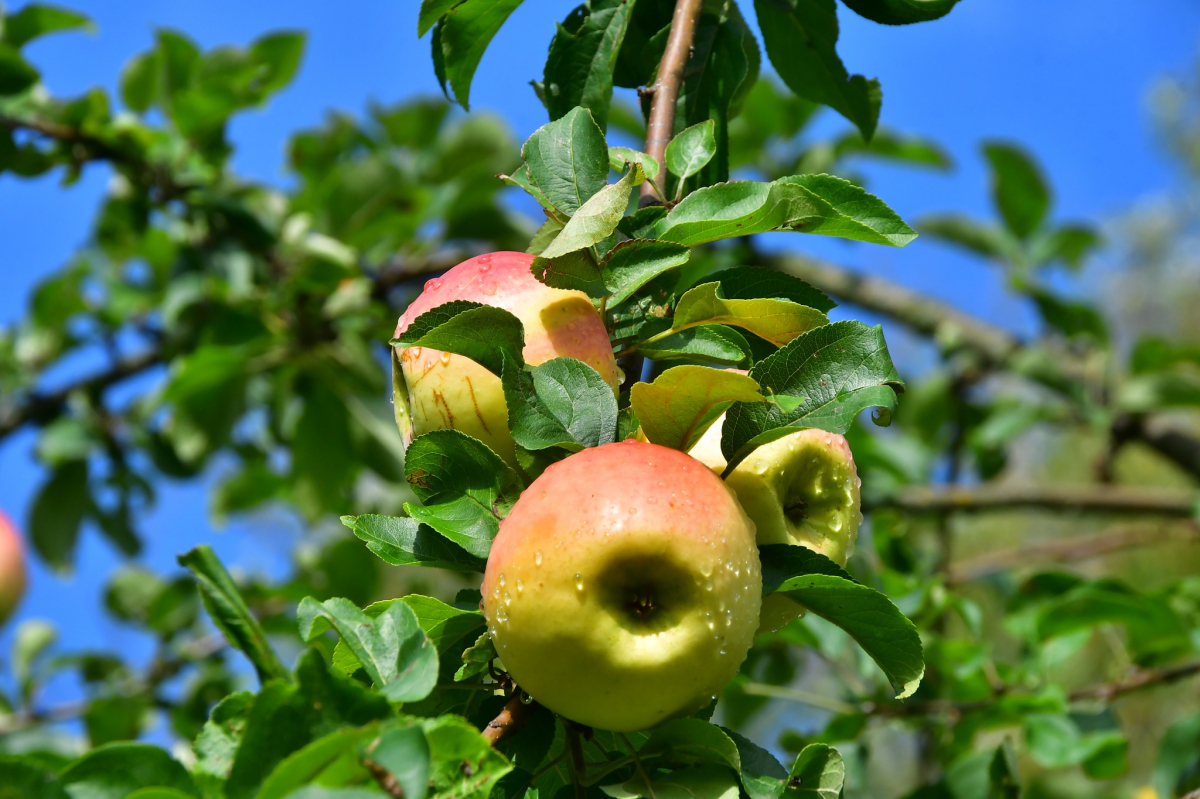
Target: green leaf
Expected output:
[583,53]
[306,765]
[901,12]
[230,613]
[483,333]
[562,402]
[567,160]
[323,457]
[840,370]
[34,637]
[1018,188]
[820,204]
[216,745]
[1178,753]
[463,35]
[689,741]
[801,38]
[754,282]
[452,742]
[1003,778]
[476,658]
[818,773]
[782,562]
[683,402]
[465,487]
[762,775]
[1154,628]
[597,218]
[574,271]
[978,237]
[699,782]
[777,321]
[57,514]
[870,618]
[1068,244]
[25,779]
[431,12]
[715,344]
[544,235]
[16,74]
[893,146]
[620,158]
[38,19]
[405,755]
[406,542]
[632,264]
[1069,318]
[117,770]
[691,149]
[396,654]
[278,56]
[451,629]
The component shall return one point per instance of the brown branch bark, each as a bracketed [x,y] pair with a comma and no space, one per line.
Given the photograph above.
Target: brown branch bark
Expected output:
[994,346]
[384,778]
[999,496]
[661,127]
[1072,549]
[514,714]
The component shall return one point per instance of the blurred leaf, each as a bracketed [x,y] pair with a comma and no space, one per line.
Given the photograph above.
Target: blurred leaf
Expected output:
[34,637]
[683,402]
[1178,754]
[465,487]
[1068,318]
[1070,244]
[980,238]
[26,779]
[396,654]
[308,764]
[698,782]
[115,718]
[801,37]
[140,81]
[37,19]
[323,462]
[404,753]
[119,769]
[893,146]
[230,613]
[57,514]
[405,542]
[1018,188]
[1003,777]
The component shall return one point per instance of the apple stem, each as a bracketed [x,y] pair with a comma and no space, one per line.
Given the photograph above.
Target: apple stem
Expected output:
[661,127]
[514,714]
[578,764]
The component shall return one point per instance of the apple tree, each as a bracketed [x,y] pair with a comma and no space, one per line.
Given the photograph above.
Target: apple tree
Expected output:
[600,476]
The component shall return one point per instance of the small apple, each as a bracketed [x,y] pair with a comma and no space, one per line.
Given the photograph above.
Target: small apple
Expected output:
[452,391]
[624,586]
[800,489]
[12,568]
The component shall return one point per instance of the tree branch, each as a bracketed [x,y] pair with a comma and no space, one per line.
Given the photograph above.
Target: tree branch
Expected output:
[1072,549]
[514,714]
[661,127]
[1000,496]
[952,329]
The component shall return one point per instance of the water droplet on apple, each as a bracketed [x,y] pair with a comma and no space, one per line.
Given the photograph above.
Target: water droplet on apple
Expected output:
[431,285]
[526,699]
[708,584]
[502,581]
[415,352]
[651,500]
[724,650]
[578,582]
[729,618]
[507,599]
[537,558]
[489,288]
[520,587]
[571,326]
[708,619]
[445,359]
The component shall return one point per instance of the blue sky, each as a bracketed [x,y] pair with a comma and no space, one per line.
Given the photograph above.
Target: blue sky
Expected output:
[1068,78]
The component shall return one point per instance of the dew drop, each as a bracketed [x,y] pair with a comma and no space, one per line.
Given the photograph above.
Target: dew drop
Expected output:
[520,587]
[571,326]
[554,90]
[708,619]
[537,558]
[415,352]
[507,599]
[526,699]
[445,359]
[578,581]
[651,500]
[431,285]
[484,268]
[724,650]
[502,581]
[489,289]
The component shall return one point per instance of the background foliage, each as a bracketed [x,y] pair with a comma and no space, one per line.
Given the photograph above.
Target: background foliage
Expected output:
[1033,503]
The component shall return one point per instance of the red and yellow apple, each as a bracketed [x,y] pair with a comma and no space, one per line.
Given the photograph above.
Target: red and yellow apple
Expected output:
[12,568]
[624,587]
[452,391]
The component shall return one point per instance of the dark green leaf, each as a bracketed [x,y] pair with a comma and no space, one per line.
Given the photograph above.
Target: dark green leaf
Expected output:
[632,264]
[396,654]
[483,333]
[117,770]
[1018,188]
[715,344]
[575,271]
[901,12]
[306,765]
[405,542]
[431,12]
[683,402]
[230,613]
[762,775]
[840,370]
[452,742]
[405,755]
[562,402]
[463,36]
[1003,778]
[871,619]
[278,56]
[25,779]
[752,282]
[582,56]
[801,38]
[465,487]
[140,81]
[782,562]
[57,513]
[685,742]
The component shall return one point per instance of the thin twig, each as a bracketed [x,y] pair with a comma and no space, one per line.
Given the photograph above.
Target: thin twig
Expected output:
[661,127]
[515,713]
[637,764]
[1073,549]
[1001,496]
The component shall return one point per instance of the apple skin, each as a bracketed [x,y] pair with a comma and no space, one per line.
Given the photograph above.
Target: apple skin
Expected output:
[12,568]
[624,587]
[800,489]
[452,391]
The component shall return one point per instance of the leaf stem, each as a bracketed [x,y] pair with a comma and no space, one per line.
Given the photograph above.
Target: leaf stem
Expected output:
[661,126]
[637,762]
[578,764]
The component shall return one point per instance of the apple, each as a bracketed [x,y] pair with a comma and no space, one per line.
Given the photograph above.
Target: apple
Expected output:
[452,391]
[12,568]
[624,586]
[800,489]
